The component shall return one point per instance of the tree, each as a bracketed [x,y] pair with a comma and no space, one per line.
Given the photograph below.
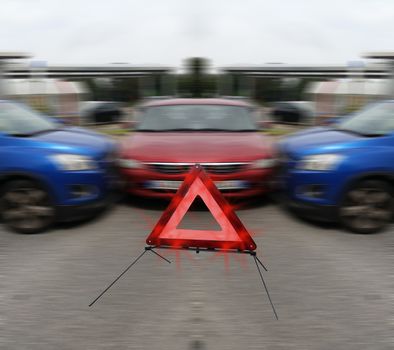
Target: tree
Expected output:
[197,82]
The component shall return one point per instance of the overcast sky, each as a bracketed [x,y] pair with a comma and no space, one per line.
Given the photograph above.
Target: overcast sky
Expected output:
[167,31]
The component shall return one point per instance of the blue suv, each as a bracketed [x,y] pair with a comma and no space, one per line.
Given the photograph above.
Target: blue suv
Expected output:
[50,173]
[344,172]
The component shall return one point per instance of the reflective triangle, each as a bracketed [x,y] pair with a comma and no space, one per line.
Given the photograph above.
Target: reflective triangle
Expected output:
[232,233]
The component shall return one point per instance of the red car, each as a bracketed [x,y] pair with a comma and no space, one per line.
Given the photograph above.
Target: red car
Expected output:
[219,134]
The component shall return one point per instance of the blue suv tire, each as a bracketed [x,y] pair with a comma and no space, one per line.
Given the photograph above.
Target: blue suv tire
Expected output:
[26,207]
[367,206]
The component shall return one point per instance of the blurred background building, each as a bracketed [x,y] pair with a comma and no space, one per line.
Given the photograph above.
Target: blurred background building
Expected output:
[324,90]
[62,90]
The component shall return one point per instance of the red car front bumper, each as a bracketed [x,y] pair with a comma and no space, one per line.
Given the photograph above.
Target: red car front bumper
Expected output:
[254,182]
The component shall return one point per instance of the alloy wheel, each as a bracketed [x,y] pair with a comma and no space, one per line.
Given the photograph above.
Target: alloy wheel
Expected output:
[26,207]
[367,207]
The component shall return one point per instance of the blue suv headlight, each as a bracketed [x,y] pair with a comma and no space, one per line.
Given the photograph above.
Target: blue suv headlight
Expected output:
[320,162]
[73,162]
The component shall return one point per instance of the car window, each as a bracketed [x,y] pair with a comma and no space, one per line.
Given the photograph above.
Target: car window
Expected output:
[197,118]
[21,121]
[377,119]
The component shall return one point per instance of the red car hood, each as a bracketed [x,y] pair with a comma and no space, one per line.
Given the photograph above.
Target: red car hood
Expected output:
[197,147]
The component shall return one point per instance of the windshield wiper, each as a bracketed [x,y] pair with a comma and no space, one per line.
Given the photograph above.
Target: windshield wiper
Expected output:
[19,135]
[177,129]
[225,130]
[243,130]
[197,130]
[374,135]
[148,130]
[39,132]
[159,130]
[349,131]
[358,133]
[204,129]
[44,131]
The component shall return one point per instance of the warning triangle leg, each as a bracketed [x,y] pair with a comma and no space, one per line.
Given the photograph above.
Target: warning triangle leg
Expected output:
[265,286]
[259,261]
[117,278]
[160,256]
[125,270]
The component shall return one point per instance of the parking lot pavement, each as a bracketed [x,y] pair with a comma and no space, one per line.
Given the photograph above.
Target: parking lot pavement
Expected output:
[332,289]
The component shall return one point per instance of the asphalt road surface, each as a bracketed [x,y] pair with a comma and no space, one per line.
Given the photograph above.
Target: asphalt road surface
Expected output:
[332,289]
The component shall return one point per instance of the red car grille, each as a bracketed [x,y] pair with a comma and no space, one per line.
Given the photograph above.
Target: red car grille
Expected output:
[212,168]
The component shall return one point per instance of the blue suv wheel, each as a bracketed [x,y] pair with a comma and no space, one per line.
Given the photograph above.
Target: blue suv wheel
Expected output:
[26,207]
[367,206]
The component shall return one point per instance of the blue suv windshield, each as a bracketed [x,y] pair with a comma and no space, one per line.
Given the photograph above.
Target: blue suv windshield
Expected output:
[19,121]
[376,120]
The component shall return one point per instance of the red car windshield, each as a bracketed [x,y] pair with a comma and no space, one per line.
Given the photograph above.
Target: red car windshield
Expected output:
[197,118]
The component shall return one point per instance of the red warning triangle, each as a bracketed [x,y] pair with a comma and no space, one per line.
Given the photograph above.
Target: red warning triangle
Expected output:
[233,234]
